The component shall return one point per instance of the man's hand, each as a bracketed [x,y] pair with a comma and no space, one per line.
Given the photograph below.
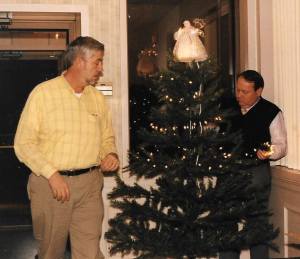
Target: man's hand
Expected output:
[59,187]
[110,163]
[263,154]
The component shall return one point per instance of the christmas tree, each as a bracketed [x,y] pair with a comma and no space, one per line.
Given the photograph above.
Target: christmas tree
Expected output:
[190,195]
[140,103]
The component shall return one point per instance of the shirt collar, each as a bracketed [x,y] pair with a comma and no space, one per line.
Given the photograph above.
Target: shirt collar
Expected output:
[69,87]
[245,110]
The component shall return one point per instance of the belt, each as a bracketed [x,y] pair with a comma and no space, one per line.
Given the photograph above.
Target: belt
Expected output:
[78,171]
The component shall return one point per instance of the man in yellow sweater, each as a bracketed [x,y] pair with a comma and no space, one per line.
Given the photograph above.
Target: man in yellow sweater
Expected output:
[65,137]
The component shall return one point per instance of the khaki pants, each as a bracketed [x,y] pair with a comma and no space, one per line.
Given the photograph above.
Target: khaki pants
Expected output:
[81,217]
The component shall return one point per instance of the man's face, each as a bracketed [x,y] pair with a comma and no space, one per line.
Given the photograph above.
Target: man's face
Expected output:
[245,93]
[93,66]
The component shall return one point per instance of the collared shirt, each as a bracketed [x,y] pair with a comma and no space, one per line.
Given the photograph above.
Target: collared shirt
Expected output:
[245,110]
[59,131]
[278,134]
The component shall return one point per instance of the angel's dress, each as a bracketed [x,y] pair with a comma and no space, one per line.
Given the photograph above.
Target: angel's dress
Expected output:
[188,46]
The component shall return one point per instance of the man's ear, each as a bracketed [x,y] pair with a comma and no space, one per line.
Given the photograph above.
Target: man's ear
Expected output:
[78,62]
[259,91]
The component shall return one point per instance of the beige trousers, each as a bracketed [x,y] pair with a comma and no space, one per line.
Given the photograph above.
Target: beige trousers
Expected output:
[81,217]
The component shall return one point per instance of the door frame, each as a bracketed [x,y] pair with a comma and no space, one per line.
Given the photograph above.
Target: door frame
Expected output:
[49,8]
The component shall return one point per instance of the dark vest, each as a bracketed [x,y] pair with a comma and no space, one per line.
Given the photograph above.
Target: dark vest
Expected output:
[255,124]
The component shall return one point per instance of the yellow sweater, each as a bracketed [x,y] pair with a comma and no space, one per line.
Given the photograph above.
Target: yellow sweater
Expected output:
[59,131]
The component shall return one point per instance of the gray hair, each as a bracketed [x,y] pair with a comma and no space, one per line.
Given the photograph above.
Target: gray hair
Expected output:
[80,47]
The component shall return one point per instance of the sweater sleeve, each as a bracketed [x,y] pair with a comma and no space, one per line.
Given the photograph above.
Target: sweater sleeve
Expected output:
[26,142]
[107,134]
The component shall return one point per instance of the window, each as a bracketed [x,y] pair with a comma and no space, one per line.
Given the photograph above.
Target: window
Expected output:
[151,28]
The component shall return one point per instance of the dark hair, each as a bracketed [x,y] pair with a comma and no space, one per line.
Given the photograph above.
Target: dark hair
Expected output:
[80,46]
[182,21]
[254,77]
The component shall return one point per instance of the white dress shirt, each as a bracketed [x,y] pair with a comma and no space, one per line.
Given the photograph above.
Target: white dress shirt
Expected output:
[278,135]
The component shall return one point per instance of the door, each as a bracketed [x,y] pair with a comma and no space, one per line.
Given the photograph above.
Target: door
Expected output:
[31,46]
[18,78]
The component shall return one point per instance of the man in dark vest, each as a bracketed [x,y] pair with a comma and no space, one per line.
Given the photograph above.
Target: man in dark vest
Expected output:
[262,124]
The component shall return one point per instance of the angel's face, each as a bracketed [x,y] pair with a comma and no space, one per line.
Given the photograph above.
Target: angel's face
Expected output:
[186,24]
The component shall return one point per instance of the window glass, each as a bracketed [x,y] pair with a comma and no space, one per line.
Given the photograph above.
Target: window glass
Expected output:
[153,29]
